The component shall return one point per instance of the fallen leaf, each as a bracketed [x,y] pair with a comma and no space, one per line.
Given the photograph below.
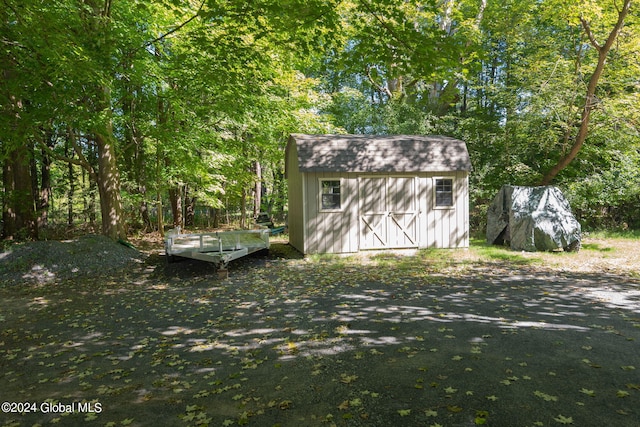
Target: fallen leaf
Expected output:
[546,397]
[285,404]
[430,413]
[355,402]
[590,393]
[481,417]
[348,379]
[564,420]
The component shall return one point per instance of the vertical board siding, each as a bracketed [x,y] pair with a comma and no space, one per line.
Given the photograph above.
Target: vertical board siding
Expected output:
[296,215]
[371,216]
[403,221]
[442,227]
[463,213]
[333,231]
[389,213]
[369,200]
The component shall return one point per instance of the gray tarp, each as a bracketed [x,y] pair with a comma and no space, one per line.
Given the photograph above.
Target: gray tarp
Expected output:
[532,219]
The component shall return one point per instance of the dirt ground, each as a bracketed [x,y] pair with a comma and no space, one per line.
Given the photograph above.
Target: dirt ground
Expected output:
[483,336]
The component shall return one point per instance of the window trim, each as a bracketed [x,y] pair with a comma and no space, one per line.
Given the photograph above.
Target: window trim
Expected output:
[321,208]
[453,192]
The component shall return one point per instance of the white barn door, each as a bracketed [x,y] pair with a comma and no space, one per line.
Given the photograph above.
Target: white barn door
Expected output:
[388,216]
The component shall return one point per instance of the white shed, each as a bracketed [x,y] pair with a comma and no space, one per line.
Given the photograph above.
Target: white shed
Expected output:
[356,192]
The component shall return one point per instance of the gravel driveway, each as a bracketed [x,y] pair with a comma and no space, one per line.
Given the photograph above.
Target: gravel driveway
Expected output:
[391,340]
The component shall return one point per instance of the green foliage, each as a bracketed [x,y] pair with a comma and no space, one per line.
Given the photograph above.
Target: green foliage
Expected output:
[196,93]
[513,89]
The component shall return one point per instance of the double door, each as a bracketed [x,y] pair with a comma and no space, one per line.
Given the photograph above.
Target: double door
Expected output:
[388,212]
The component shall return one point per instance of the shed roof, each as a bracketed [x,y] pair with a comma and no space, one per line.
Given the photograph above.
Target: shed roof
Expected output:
[371,153]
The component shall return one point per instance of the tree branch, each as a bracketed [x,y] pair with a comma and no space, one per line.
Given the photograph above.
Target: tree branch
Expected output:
[385,25]
[9,6]
[173,30]
[587,30]
[82,160]
[107,9]
[590,99]
[377,86]
[78,162]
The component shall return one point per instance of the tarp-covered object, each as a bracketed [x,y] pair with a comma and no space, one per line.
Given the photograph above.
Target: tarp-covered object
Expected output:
[532,219]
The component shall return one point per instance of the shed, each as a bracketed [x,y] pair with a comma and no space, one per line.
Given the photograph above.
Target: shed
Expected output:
[357,192]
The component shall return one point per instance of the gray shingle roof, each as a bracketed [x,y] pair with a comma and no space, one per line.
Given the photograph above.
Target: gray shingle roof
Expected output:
[368,153]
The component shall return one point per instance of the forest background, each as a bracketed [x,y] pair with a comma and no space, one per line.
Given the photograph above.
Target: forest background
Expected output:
[121,116]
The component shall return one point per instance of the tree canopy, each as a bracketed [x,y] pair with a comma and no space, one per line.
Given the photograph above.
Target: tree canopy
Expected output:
[115,112]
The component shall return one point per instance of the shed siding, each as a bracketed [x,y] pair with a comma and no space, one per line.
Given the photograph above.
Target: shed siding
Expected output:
[445,227]
[377,209]
[296,215]
[334,231]
[388,214]
[341,232]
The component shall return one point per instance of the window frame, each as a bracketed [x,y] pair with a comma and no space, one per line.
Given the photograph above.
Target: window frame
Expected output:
[435,192]
[321,193]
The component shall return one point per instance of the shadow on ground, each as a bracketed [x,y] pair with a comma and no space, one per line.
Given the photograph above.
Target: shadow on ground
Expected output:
[348,342]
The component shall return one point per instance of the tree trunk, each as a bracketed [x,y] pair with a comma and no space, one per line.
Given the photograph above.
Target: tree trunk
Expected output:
[243,208]
[44,190]
[190,210]
[19,214]
[134,155]
[214,215]
[590,102]
[141,180]
[257,201]
[144,211]
[97,22]
[8,216]
[108,174]
[159,207]
[175,199]
[113,224]
[70,196]
[90,199]
[160,218]
[18,209]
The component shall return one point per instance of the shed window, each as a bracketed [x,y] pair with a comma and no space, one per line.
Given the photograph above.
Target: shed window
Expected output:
[444,192]
[330,197]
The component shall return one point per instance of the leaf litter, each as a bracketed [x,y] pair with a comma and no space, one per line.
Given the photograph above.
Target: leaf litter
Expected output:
[288,341]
